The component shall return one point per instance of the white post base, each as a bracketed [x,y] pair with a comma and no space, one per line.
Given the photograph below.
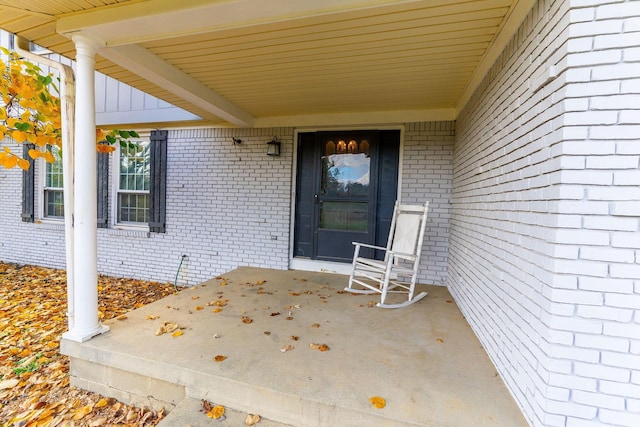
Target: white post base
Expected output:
[82,336]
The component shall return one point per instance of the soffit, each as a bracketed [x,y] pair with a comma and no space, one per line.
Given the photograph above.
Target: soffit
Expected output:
[344,61]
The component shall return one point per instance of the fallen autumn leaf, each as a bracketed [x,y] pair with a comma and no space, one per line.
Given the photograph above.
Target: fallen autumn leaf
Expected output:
[320,347]
[252,419]
[32,319]
[81,412]
[101,403]
[6,384]
[378,402]
[216,412]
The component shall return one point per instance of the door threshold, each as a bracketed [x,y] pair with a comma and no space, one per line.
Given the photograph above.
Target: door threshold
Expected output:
[320,266]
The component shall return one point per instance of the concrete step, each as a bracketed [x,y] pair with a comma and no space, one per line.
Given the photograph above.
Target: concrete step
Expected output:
[188,413]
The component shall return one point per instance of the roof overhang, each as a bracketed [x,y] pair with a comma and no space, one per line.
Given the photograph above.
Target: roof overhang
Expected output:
[252,63]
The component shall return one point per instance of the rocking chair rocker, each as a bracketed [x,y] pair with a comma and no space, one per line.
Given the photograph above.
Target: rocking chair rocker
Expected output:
[401,259]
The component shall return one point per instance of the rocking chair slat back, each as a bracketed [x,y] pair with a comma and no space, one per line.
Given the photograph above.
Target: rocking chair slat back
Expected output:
[405,237]
[405,243]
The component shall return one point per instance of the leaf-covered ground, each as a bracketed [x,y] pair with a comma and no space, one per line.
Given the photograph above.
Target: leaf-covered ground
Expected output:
[34,376]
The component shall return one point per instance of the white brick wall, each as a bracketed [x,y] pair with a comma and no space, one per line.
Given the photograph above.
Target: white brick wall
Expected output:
[229,205]
[617,362]
[545,214]
[427,173]
[20,243]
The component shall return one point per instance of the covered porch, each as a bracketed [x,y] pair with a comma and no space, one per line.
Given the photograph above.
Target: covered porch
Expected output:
[424,360]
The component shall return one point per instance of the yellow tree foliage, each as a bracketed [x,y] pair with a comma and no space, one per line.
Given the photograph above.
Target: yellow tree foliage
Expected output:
[30,112]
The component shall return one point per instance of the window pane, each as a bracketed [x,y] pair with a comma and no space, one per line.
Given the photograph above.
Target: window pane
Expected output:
[53,195]
[134,177]
[345,175]
[134,164]
[54,203]
[54,170]
[344,216]
[133,207]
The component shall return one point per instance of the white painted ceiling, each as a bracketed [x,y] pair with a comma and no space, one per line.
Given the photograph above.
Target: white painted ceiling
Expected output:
[285,62]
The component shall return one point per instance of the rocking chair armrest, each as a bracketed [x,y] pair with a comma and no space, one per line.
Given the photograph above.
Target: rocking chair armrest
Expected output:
[366,245]
[402,254]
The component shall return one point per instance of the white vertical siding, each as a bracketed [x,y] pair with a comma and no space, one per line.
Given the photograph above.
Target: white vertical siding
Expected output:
[118,103]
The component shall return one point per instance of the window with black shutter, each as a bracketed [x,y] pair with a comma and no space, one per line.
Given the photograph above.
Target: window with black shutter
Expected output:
[28,178]
[151,210]
[53,199]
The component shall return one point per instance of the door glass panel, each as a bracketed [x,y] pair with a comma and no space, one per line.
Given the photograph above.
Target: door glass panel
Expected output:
[345,174]
[344,215]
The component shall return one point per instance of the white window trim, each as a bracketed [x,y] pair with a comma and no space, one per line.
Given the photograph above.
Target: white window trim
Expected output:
[114,180]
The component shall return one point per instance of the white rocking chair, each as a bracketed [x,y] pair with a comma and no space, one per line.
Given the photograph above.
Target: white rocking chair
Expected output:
[401,259]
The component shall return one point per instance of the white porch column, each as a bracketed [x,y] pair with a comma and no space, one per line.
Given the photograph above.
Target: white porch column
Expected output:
[86,324]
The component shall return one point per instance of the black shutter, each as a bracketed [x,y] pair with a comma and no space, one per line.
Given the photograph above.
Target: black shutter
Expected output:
[304,225]
[103,189]
[28,178]
[388,188]
[158,184]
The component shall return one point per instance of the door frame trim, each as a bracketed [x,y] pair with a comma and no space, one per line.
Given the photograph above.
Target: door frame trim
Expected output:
[319,266]
[298,263]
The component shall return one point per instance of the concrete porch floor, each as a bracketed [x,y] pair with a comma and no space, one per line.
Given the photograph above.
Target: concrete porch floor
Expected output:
[424,359]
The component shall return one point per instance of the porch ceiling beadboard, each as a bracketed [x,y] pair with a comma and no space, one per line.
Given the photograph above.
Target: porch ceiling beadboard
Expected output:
[254,63]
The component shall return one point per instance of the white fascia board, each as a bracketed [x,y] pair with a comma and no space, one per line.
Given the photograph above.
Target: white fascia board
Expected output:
[148,66]
[516,15]
[137,22]
[155,115]
[372,118]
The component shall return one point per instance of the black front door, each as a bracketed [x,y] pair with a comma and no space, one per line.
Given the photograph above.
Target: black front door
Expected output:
[346,189]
